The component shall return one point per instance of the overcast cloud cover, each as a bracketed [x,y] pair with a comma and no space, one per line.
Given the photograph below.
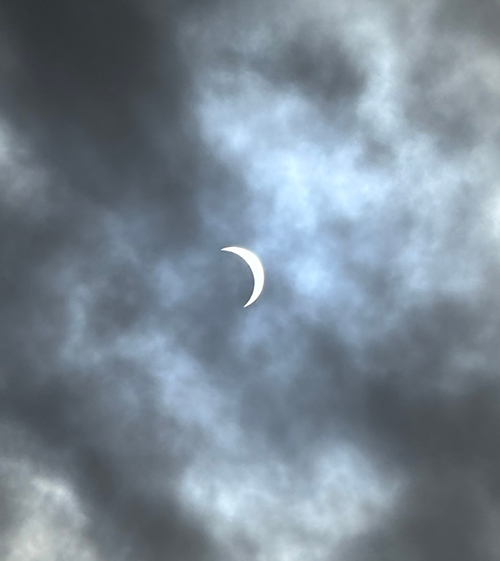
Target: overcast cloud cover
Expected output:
[352,413]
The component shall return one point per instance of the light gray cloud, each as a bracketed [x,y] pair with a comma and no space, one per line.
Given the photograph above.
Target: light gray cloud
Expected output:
[348,414]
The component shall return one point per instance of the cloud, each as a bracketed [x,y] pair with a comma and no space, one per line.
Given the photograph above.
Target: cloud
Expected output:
[348,414]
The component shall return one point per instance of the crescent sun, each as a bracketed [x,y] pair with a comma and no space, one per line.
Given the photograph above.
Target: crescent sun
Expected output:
[255,266]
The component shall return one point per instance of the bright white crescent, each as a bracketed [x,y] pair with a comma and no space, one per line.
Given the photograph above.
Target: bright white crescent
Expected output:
[255,266]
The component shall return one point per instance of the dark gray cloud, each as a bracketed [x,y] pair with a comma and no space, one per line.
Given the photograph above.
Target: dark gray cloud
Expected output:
[321,70]
[351,412]
[81,79]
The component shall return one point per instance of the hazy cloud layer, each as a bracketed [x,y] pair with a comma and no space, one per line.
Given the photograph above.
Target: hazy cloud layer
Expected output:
[351,413]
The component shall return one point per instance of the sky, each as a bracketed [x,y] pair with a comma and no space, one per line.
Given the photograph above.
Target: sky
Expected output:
[351,413]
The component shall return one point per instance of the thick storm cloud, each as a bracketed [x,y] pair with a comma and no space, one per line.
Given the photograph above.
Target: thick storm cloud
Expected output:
[351,412]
